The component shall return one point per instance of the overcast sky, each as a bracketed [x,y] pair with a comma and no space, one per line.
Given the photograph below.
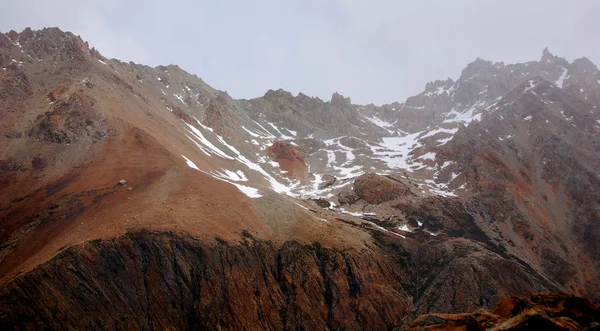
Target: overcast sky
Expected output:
[372,51]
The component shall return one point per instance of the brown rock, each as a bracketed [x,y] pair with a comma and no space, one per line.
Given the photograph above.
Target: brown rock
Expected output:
[183,115]
[376,189]
[456,322]
[512,306]
[290,158]
[542,311]
[323,203]
[328,180]
[219,116]
[70,121]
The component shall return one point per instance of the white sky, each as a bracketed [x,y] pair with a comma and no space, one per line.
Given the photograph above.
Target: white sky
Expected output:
[373,51]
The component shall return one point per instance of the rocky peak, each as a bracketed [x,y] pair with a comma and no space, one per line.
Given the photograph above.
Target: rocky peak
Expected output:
[547,56]
[279,94]
[432,86]
[479,67]
[584,65]
[339,100]
[50,43]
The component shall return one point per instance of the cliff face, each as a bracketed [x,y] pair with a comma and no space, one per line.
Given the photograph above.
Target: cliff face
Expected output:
[166,281]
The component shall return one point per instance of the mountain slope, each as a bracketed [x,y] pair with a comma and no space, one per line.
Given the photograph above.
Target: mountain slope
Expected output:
[467,193]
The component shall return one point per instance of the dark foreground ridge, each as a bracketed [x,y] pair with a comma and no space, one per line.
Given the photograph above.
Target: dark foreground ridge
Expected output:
[541,311]
[165,281]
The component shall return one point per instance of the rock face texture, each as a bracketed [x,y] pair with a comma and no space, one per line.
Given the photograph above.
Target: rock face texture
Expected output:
[290,159]
[70,120]
[152,280]
[291,212]
[541,311]
[376,189]
[539,152]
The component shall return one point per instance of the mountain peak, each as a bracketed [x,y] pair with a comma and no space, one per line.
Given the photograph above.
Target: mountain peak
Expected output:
[279,93]
[476,67]
[439,83]
[49,42]
[338,99]
[547,56]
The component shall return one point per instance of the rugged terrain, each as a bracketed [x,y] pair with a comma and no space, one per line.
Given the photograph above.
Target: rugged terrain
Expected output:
[541,311]
[143,193]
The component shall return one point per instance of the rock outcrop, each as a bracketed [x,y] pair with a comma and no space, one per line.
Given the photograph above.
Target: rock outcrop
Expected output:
[375,189]
[290,159]
[70,120]
[541,311]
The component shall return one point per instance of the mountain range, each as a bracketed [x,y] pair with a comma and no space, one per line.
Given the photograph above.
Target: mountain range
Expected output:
[142,198]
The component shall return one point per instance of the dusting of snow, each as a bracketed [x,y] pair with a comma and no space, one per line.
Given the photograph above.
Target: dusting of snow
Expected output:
[380,123]
[466,117]
[204,144]
[281,135]
[445,164]
[179,98]
[415,107]
[428,156]
[560,81]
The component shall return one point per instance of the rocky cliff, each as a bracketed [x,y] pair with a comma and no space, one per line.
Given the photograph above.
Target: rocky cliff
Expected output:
[167,281]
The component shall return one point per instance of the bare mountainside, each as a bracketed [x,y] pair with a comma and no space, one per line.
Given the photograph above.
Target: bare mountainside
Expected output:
[139,197]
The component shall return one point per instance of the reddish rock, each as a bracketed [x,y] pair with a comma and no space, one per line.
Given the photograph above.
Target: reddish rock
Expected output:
[55,94]
[183,116]
[541,311]
[290,158]
[512,306]
[466,322]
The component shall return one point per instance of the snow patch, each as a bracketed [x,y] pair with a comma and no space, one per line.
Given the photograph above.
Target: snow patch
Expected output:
[560,81]
[428,156]
[190,163]
[179,97]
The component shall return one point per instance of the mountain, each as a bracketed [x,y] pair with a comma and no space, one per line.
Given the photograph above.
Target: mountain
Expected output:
[139,197]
